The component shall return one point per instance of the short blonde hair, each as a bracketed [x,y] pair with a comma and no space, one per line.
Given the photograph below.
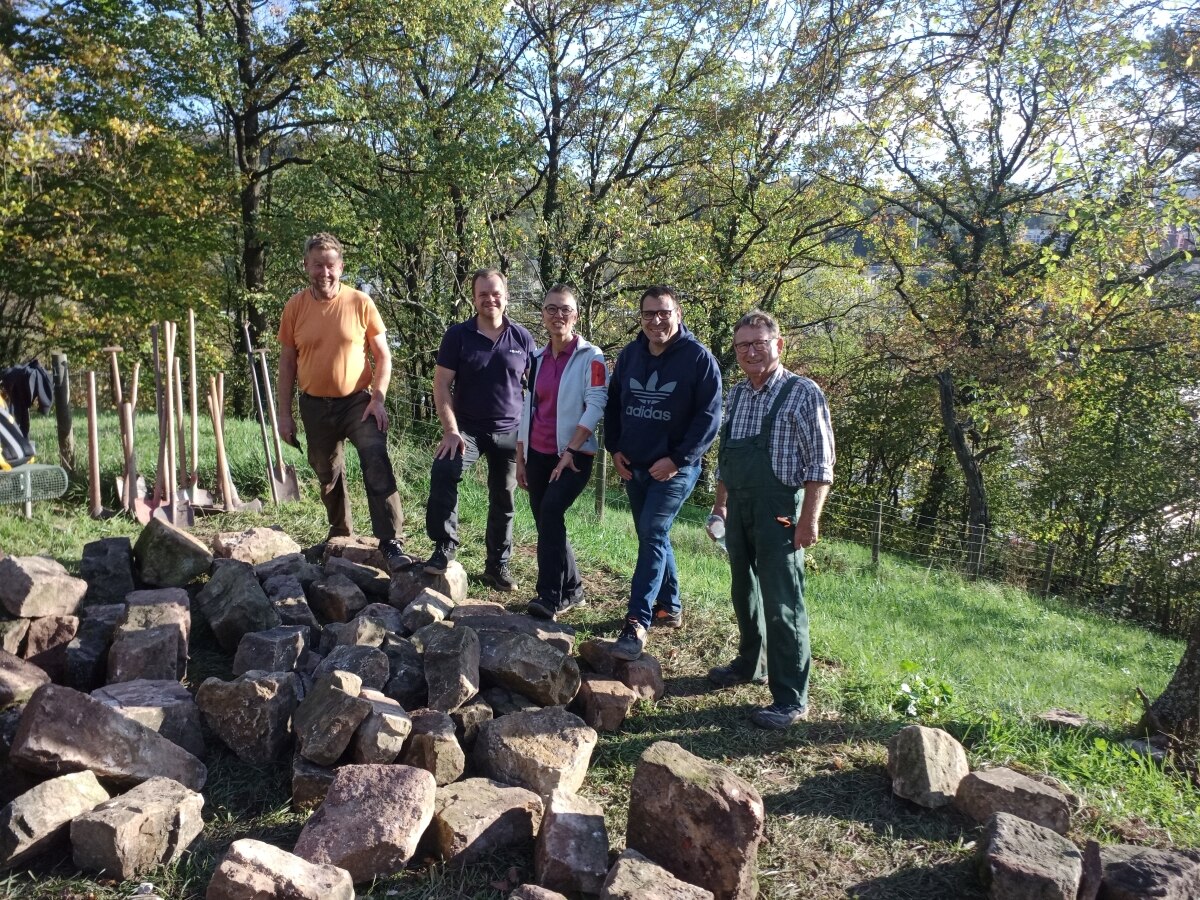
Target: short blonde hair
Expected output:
[323,240]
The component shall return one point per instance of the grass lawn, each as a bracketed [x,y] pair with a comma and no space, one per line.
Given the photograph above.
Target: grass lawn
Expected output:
[892,647]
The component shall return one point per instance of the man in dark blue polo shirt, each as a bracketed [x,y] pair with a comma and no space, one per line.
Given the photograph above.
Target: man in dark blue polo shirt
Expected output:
[477,389]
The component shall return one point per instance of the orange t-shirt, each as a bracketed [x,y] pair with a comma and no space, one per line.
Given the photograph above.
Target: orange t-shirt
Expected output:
[331,337]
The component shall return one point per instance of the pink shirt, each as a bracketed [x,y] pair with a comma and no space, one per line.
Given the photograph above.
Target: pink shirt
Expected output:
[543,431]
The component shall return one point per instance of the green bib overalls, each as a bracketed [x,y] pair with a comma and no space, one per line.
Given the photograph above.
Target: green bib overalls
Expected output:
[767,570]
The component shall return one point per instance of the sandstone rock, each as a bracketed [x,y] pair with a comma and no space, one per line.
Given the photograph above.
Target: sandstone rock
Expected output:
[234,604]
[406,681]
[633,877]
[63,730]
[275,650]
[407,584]
[389,617]
[471,607]
[643,676]
[35,586]
[597,655]
[533,892]
[926,765]
[452,667]
[310,783]
[1093,872]
[39,818]
[505,702]
[287,596]
[371,820]
[170,557]
[1134,873]
[475,817]
[371,581]
[431,746]
[427,607]
[107,567]
[254,870]
[252,715]
[467,719]
[46,644]
[983,793]
[87,654]
[367,663]
[165,707]
[12,635]
[696,819]
[1021,859]
[526,665]
[556,634]
[572,845]
[336,599]
[254,545]
[604,702]
[356,549]
[361,631]
[14,781]
[294,565]
[381,735]
[18,679]
[150,654]
[328,716]
[151,825]
[545,751]
[1064,718]
[167,607]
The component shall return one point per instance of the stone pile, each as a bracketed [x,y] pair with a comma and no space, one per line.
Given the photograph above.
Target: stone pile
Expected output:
[1024,851]
[415,721]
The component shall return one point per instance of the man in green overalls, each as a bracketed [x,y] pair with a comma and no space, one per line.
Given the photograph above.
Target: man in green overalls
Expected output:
[776,465]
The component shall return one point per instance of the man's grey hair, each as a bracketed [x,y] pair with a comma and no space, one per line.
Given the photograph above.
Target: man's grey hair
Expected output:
[756,318]
[323,240]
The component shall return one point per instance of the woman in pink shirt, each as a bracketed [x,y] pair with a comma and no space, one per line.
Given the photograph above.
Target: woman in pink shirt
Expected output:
[568,386]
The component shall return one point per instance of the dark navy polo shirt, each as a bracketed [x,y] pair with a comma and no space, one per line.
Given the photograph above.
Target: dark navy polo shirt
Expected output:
[487,376]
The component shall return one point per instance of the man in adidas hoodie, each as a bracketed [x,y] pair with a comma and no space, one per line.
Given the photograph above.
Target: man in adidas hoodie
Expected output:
[664,408]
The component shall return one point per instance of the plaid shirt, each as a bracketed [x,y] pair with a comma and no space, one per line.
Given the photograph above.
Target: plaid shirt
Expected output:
[802,440]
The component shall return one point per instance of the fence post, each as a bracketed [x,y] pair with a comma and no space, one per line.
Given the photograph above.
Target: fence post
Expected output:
[877,540]
[95,509]
[1048,573]
[601,472]
[980,550]
[1123,589]
[62,411]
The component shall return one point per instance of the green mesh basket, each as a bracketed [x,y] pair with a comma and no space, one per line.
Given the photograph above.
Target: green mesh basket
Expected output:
[24,484]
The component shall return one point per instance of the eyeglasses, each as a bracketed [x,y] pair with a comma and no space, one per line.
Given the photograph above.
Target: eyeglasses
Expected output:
[564,311]
[746,346]
[651,315]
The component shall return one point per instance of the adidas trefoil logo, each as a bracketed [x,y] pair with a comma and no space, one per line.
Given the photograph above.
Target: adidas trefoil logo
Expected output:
[651,392]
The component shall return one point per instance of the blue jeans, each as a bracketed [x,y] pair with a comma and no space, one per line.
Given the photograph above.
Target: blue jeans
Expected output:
[655,505]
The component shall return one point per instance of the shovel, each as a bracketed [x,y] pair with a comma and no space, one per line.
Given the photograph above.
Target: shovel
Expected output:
[288,486]
[275,479]
[198,495]
[174,509]
[132,488]
[216,409]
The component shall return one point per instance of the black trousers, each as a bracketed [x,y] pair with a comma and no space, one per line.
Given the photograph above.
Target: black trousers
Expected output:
[441,512]
[558,575]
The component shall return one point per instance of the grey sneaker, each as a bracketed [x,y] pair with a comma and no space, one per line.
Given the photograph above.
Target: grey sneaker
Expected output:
[499,578]
[730,675]
[777,718]
[570,603]
[440,560]
[664,618]
[631,643]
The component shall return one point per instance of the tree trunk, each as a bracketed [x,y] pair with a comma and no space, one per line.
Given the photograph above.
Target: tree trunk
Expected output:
[1177,710]
[978,518]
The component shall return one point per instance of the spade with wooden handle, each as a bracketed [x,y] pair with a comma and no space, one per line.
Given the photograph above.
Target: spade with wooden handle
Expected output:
[216,410]
[198,495]
[288,488]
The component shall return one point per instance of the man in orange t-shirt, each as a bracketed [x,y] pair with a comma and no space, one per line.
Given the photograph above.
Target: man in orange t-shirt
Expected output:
[325,334]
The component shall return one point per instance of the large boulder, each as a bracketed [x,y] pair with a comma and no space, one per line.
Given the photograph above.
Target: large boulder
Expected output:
[370,821]
[604,702]
[1020,859]
[162,608]
[406,680]
[545,751]
[643,676]
[407,584]
[107,567]
[18,679]
[371,581]
[46,644]
[926,765]
[328,716]
[427,607]
[294,565]
[310,783]
[87,654]
[63,730]
[478,816]
[252,715]
[254,870]
[336,598]
[572,845]
[12,635]
[528,666]
[696,819]
[451,666]
[149,654]
[170,557]
[633,877]
[381,735]
[1134,873]
[556,634]
[433,747]
[35,586]
[151,825]
[166,707]
[41,817]
[234,604]
[274,650]
[286,594]
[356,549]
[986,792]
[254,545]
[368,663]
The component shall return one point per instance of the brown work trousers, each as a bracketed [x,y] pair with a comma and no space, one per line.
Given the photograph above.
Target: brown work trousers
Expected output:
[328,423]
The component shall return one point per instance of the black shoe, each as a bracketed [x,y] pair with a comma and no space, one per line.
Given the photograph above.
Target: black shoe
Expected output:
[541,609]
[631,643]
[440,560]
[777,718]
[664,618]
[571,603]
[728,676]
[393,552]
[499,578]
